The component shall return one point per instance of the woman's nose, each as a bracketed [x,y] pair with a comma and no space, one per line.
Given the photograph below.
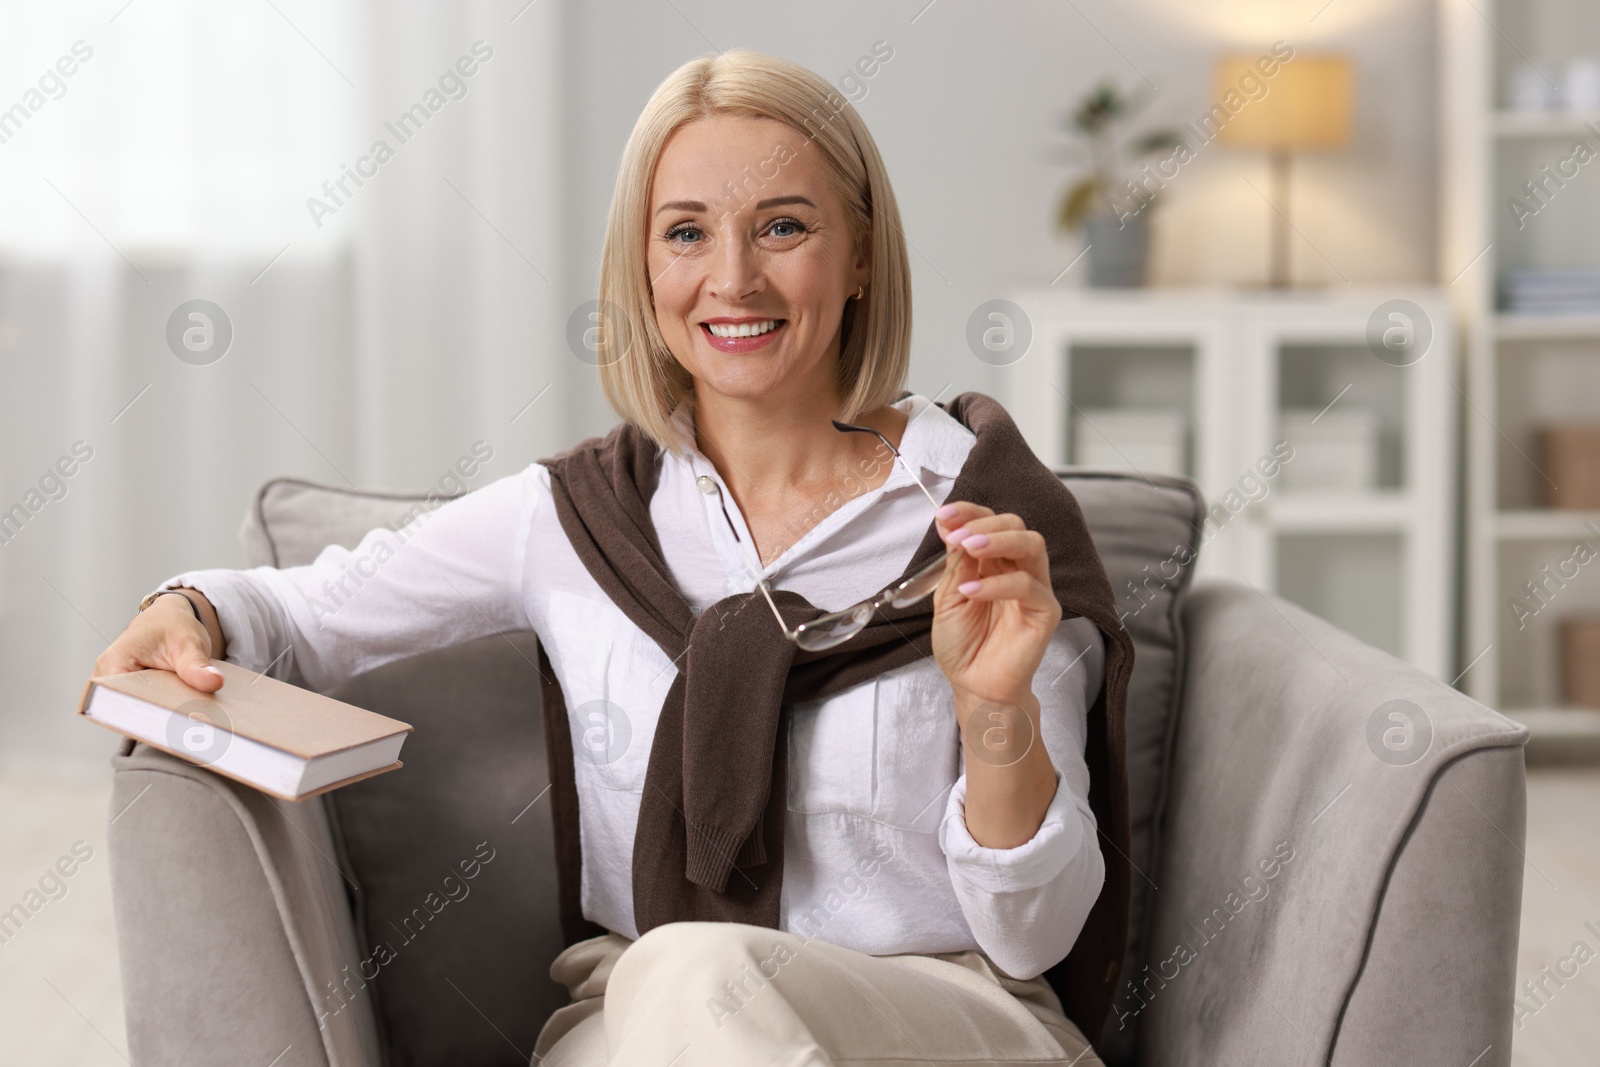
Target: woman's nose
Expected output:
[736,272]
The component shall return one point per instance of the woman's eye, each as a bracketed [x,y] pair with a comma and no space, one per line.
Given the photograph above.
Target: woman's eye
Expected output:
[689,233]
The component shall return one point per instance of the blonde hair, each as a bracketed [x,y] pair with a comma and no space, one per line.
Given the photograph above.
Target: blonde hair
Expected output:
[640,376]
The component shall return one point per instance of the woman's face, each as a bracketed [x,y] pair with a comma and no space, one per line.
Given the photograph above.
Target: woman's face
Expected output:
[751,258]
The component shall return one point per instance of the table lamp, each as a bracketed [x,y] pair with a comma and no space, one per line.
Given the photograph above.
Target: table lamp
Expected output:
[1306,106]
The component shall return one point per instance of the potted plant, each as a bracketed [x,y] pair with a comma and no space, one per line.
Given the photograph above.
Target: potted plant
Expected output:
[1110,202]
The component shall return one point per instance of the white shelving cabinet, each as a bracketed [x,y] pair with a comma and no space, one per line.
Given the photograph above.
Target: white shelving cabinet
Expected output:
[1378,560]
[1523,370]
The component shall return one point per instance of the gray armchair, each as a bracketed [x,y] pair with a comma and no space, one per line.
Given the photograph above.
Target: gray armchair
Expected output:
[1327,844]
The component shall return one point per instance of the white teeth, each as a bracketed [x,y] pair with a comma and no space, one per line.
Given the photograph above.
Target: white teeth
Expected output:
[742,329]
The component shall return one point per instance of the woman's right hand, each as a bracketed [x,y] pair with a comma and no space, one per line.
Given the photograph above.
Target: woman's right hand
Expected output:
[166,635]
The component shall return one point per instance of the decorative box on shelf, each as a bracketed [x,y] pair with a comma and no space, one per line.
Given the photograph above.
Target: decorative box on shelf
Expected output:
[1334,450]
[1580,661]
[1149,439]
[1571,455]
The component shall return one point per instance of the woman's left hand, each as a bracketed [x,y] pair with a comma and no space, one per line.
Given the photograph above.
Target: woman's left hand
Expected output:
[995,611]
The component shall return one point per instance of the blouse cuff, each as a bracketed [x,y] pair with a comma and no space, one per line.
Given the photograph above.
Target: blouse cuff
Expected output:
[232,595]
[1032,864]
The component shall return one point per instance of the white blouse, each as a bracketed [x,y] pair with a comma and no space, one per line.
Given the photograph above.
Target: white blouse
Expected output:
[877,856]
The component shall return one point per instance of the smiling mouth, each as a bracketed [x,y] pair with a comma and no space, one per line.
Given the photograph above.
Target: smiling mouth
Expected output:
[741,329]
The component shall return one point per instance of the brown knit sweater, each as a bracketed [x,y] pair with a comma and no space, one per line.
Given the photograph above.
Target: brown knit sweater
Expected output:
[709,844]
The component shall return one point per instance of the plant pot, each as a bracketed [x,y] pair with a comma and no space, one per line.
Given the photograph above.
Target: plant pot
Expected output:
[1119,252]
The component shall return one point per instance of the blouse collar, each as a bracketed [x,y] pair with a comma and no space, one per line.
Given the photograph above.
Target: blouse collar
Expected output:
[934,441]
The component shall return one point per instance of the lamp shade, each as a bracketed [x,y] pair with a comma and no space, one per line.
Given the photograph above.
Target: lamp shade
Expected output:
[1305,104]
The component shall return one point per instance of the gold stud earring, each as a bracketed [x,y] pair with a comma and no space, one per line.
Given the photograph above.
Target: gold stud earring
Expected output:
[861,291]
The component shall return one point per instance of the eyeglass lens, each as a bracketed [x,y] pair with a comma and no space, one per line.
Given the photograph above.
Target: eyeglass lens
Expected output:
[835,629]
[919,585]
[829,630]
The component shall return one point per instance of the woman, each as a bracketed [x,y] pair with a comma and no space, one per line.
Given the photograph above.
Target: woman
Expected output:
[805,836]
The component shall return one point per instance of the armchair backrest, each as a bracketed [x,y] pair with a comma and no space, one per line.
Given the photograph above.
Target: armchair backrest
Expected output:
[460,966]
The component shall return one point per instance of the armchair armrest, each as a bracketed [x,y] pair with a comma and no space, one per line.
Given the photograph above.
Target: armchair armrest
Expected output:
[1341,869]
[233,921]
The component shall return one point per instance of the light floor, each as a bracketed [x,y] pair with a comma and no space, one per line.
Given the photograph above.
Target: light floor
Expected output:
[61,996]
[60,993]
[1560,893]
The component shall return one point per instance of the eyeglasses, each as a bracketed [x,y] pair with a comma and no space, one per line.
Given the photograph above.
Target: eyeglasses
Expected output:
[837,627]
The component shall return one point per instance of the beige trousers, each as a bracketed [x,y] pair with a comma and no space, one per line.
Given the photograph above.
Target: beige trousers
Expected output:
[702,994]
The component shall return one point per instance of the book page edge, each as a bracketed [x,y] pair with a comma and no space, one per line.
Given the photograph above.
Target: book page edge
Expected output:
[396,765]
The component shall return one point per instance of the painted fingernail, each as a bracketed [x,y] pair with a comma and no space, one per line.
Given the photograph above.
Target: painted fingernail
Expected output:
[213,670]
[949,511]
[968,588]
[956,536]
[976,541]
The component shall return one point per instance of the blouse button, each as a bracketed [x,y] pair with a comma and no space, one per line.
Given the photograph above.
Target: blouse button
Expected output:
[706,485]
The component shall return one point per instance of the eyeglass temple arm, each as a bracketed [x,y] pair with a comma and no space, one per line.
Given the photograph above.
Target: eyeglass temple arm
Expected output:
[761,583]
[845,427]
[842,427]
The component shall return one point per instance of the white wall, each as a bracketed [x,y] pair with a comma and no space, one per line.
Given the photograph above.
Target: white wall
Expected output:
[385,358]
[967,115]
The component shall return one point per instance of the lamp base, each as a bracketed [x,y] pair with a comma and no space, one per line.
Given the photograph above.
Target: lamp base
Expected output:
[1278,276]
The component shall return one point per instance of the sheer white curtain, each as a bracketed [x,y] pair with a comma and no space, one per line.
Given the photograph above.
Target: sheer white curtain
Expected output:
[159,152]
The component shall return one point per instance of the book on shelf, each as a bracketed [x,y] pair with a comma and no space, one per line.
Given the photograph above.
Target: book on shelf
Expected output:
[1552,292]
[266,733]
